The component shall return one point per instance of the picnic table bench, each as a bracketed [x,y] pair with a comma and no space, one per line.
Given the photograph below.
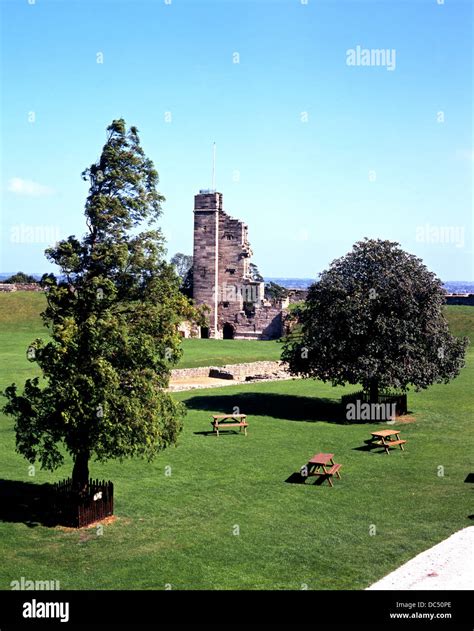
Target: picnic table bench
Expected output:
[223,421]
[381,438]
[318,466]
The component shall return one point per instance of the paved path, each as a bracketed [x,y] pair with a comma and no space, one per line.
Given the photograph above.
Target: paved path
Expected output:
[448,565]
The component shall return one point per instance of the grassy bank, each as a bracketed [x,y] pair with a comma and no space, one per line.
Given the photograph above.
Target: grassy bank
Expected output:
[218,513]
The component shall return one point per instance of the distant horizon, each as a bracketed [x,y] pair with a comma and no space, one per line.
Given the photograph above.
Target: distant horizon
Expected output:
[300,279]
[39,274]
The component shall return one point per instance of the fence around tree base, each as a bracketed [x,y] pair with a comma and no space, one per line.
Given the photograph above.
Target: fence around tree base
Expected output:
[390,398]
[74,510]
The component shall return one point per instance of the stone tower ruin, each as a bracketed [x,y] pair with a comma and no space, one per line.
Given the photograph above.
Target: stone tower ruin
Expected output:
[222,277]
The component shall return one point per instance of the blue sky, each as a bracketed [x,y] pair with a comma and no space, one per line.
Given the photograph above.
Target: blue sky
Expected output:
[313,153]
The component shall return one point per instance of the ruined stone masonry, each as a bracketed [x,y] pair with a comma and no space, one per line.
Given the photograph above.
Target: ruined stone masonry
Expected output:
[7,287]
[218,376]
[222,278]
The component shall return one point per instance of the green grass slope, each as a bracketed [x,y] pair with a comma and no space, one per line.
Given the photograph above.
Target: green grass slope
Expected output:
[217,513]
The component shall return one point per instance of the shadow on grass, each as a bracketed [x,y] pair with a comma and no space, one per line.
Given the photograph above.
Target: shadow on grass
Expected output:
[282,406]
[470,478]
[232,432]
[27,503]
[297,478]
[376,449]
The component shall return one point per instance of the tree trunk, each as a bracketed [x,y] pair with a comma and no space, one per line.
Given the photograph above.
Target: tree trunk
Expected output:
[374,391]
[80,472]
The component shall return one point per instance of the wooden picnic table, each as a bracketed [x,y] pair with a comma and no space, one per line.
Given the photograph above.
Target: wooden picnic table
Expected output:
[223,421]
[379,438]
[318,465]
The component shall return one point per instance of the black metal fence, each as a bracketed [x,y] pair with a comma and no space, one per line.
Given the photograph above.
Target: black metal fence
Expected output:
[77,510]
[390,398]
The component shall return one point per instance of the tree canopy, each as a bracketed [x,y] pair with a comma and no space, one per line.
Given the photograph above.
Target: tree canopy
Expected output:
[184,265]
[20,278]
[274,291]
[375,318]
[113,323]
[254,273]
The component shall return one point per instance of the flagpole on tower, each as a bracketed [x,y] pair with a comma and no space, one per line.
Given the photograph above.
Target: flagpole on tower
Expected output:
[214,167]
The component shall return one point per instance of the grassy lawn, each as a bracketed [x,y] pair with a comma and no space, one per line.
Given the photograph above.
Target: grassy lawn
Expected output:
[178,529]
[220,352]
[20,324]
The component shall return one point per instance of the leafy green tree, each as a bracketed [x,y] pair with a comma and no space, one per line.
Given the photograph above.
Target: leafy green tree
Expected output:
[20,278]
[187,284]
[185,269]
[254,273]
[113,323]
[375,317]
[274,291]
[183,263]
